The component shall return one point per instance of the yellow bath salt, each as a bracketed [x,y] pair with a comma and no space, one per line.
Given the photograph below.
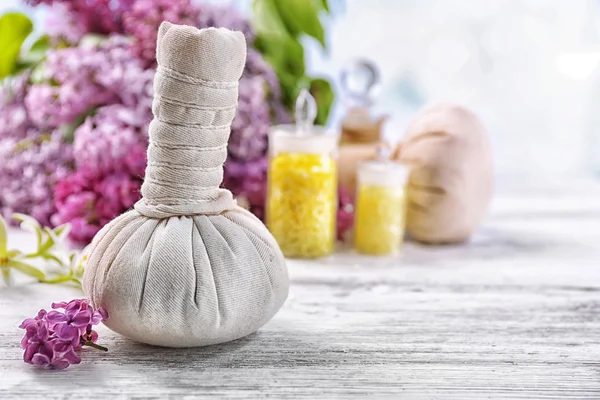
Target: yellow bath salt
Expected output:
[380,211]
[302,203]
[379,223]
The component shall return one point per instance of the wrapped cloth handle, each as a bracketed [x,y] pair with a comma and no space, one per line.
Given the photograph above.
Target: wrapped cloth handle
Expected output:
[195,100]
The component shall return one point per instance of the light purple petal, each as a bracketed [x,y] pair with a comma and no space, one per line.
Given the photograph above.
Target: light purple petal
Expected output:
[42,332]
[66,332]
[40,360]
[99,315]
[81,319]
[62,304]
[47,348]
[56,317]
[61,347]
[71,357]
[27,322]
[32,332]
[103,312]
[73,308]
[30,351]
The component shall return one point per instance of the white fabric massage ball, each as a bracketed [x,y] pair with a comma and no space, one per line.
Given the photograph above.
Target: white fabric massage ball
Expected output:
[188,267]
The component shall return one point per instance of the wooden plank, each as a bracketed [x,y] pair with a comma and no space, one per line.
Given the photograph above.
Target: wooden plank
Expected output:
[514,314]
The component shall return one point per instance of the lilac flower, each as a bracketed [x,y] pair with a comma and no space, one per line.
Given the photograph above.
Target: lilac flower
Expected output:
[14,120]
[51,338]
[248,182]
[29,170]
[80,79]
[256,65]
[250,127]
[101,94]
[74,69]
[75,321]
[89,201]
[40,348]
[84,16]
[113,140]
[62,25]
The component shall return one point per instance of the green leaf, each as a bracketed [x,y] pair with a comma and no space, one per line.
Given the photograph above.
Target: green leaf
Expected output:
[49,256]
[27,269]
[284,54]
[14,254]
[50,241]
[3,238]
[325,5]
[60,279]
[266,20]
[14,29]
[301,16]
[37,51]
[321,90]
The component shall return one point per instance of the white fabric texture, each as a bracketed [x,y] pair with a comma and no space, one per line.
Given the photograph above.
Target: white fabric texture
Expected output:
[188,267]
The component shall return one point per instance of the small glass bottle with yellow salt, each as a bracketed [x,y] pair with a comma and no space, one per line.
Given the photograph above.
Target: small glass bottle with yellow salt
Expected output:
[380,206]
[302,184]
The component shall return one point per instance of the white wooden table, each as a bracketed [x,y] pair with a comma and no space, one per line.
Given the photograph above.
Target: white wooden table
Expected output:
[513,314]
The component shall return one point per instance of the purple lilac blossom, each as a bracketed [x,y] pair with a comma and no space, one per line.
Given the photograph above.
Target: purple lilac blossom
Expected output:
[71,19]
[113,140]
[250,127]
[51,338]
[256,65]
[111,84]
[88,201]
[248,182]
[14,120]
[79,79]
[30,169]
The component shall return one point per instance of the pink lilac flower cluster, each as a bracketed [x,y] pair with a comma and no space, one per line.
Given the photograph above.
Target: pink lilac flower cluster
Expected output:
[33,160]
[102,80]
[71,19]
[248,181]
[112,141]
[88,201]
[79,79]
[85,121]
[250,127]
[14,121]
[52,338]
[30,169]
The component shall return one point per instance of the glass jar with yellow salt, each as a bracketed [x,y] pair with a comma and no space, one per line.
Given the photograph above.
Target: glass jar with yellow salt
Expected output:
[380,207]
[302,185]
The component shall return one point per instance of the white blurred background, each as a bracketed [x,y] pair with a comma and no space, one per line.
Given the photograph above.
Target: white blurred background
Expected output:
[528,67]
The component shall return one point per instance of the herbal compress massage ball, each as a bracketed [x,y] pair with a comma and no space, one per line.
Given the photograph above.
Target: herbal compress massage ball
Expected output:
[188,267]
[451,174]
